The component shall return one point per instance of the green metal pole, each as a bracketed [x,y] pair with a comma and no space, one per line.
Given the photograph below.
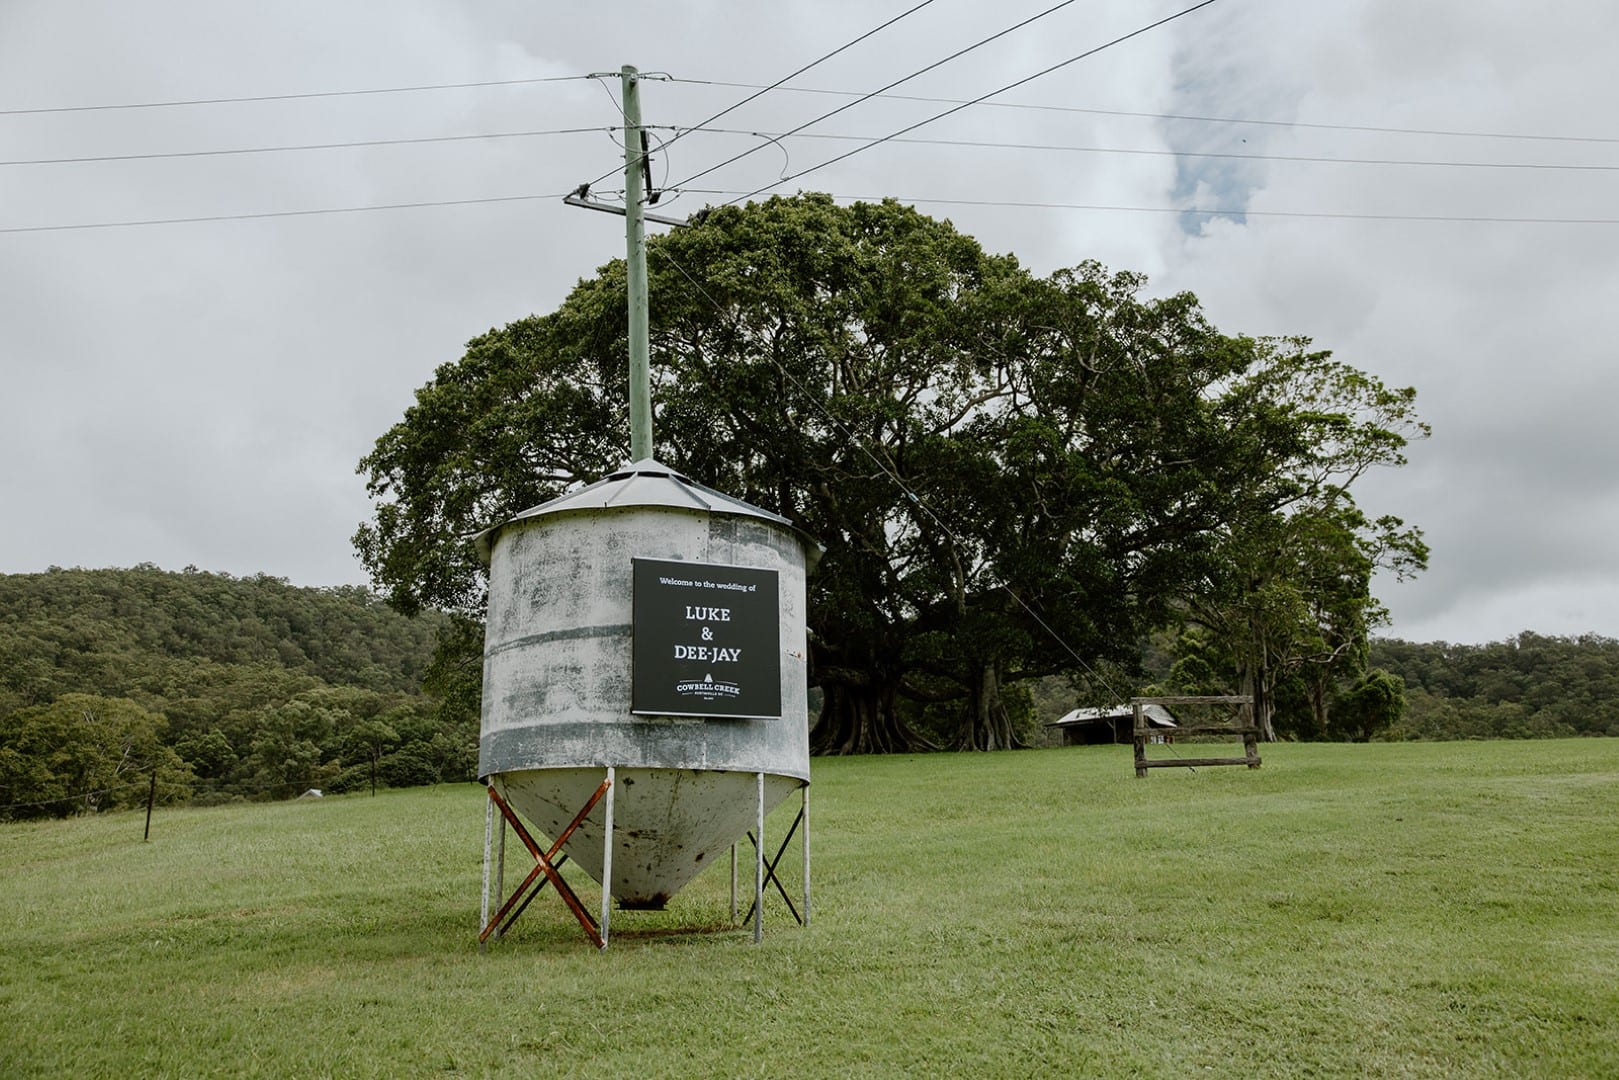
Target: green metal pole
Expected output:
[635,258]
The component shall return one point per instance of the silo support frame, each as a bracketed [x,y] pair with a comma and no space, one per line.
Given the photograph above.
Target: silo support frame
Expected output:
[547,868]
[765,870]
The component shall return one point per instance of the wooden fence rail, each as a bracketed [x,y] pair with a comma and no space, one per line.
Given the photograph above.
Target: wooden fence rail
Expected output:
[1247,731]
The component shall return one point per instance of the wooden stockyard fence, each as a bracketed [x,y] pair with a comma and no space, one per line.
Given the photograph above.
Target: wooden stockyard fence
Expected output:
[1245,729]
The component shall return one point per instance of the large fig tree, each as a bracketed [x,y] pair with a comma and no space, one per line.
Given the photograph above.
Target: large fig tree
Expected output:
[1012,475]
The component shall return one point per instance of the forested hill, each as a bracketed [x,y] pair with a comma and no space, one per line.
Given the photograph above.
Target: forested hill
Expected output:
[1529,686]
[226,687]
[113,631]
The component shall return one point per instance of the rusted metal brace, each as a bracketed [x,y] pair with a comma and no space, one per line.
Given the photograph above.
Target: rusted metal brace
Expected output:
[543,865]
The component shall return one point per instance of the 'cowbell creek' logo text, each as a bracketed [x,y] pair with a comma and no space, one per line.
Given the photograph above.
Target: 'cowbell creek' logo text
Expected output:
[708,688]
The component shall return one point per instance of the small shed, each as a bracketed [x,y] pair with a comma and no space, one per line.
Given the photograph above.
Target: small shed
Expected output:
[1112,724]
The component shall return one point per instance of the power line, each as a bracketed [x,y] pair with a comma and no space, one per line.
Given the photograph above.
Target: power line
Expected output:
[760,91]
[913,199]
[308,146]
[1230,155]
[984,97]
[777,137]
[763,90]
[288,97]
[897,82]
[1197,211]
[1446,132]
[280,214]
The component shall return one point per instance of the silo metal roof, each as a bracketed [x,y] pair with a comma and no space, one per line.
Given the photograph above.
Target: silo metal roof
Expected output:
[647,482]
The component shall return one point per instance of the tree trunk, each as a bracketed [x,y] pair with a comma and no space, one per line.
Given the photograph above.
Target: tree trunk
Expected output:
[985,723]
[1255,683]
[858,717]
[1320,685]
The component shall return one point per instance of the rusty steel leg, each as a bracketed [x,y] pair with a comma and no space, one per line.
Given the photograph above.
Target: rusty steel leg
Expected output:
[497,926]
[544,865]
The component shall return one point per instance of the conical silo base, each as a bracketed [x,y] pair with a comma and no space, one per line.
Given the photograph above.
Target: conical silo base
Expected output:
[669,825]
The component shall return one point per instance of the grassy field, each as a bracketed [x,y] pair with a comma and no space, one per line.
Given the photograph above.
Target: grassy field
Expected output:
[1386,910]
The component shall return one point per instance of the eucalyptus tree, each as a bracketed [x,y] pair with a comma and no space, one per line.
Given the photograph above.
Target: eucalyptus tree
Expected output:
[1290,584]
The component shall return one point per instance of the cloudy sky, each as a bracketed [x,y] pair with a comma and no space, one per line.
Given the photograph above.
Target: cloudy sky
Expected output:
[1426,189]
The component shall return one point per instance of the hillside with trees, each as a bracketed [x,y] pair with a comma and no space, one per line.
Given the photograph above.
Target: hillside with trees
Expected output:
[227,688]
[1528,686]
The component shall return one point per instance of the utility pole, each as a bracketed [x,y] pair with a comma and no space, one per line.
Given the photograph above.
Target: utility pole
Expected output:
[637,181]
[635,158]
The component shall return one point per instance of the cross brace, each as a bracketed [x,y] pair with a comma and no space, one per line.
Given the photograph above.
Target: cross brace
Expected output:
[770,868]
[546,868]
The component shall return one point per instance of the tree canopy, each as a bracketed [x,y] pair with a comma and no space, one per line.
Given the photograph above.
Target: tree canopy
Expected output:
[1012,475]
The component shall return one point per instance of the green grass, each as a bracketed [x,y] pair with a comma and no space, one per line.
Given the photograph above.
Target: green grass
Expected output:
[1388,910]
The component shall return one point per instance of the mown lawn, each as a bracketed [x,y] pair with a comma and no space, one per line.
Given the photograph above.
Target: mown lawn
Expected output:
[1386,910]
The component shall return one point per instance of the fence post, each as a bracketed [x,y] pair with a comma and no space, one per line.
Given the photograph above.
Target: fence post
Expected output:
[151,800]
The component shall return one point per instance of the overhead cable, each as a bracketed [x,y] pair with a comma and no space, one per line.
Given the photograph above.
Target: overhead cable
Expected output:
[1228,155]
[1381,130]
[760,91]
[309,146]
[289,97]
[983,97]
[1196,211]
[279,214]
[897,82]
[777,137]
[763,90]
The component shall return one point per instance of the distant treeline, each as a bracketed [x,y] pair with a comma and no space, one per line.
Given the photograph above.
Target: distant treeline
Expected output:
[1528,686]
[224,688]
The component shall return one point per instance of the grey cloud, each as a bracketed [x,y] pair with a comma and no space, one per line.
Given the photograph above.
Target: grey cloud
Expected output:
[201,393]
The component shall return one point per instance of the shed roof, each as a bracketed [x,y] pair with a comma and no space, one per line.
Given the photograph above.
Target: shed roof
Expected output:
[1157,716]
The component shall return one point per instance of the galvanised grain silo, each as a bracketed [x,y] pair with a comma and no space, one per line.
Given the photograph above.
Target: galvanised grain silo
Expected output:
[647,632]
